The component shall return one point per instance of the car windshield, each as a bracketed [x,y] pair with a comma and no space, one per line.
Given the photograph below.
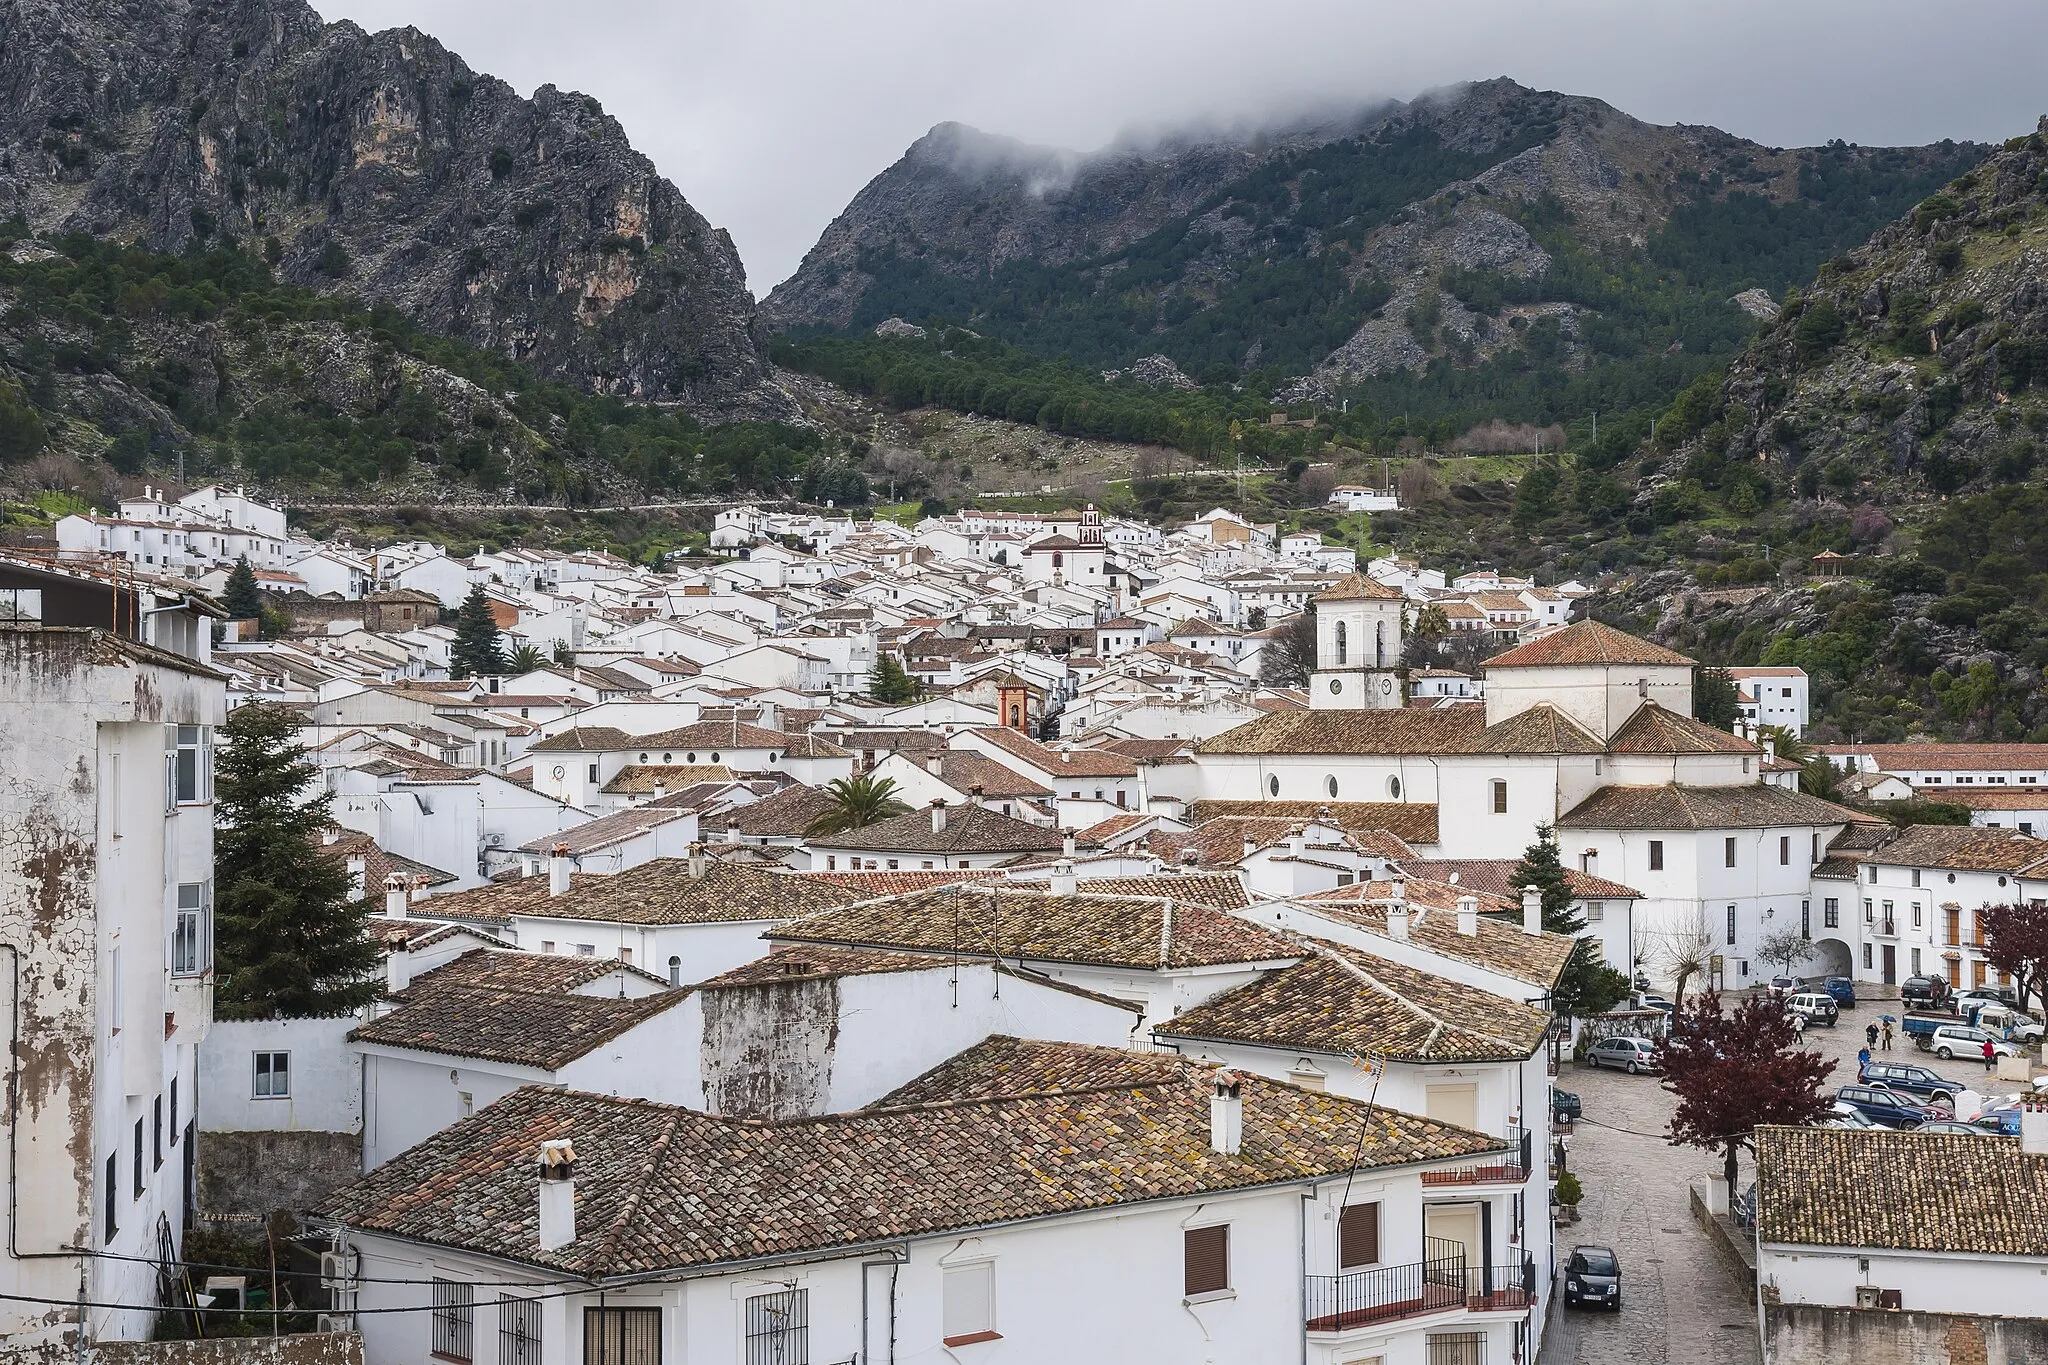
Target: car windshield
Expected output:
[1597,1262]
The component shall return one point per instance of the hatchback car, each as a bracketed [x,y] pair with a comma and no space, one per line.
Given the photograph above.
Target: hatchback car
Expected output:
[1961,1040]
[1784,985]
[1629,1054]
[1564,1105]
[1841,990]
[1984,995]
[1592,1276]
[1909,1079]
[1892,1108]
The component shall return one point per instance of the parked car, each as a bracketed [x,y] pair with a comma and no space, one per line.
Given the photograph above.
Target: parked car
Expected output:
[1565,1105]
[1784,985]
[1907,1078]
[1646,1001]
[1891,1108]
[1592,1275]
[1924,993]
[1967,1000]
[1815,1007]
[1956,1127]
[1848,1116]
[1629,1054]
[1964,1040]
[1841,990]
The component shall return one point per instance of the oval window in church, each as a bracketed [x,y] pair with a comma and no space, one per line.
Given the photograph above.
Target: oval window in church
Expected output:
[1273,785]
[1330,784]
[1394,787]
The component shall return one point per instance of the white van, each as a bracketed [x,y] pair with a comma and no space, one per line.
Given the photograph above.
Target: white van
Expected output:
[1815,1007]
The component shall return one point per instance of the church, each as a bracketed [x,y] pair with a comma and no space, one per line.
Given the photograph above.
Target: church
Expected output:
[1588,730]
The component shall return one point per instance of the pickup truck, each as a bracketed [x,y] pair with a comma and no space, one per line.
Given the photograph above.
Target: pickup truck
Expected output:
[1920,1026]
[2003,1021]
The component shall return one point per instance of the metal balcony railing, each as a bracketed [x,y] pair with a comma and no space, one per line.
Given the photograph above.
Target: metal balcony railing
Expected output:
[1511,1167]
[1357,1298]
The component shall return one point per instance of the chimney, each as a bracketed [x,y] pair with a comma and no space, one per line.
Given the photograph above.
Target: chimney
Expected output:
[1251,846]
[697,860]
[2034,1125]
[1064,882]
[558,870]
[419,889]
[1066,755]
[398,967]
[660,789]
[1468,916]
[932,764]
[938,815]
[358,876]
[1226,1113]
[1770,749]
[1532,910]
[974,795]
[394,896]
[1189,857]
[557,1171]
[1066,843]
[330,836]
[1397,921]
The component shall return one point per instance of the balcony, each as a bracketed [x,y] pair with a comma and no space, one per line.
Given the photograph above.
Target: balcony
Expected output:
[1442,1282]
[1508,1168]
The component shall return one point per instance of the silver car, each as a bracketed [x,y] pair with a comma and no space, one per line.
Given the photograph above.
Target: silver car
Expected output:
[1632,1055]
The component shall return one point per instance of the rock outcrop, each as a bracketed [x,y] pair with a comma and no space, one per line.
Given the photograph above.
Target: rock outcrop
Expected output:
[381,165]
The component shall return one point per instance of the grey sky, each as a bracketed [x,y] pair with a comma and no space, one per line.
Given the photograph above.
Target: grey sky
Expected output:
[771,114]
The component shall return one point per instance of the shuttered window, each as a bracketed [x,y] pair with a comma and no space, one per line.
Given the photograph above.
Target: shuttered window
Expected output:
[1207,1254]
[621,1336]
[1358,1236]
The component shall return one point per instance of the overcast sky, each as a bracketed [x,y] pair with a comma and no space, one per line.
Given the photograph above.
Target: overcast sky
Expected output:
[771,114]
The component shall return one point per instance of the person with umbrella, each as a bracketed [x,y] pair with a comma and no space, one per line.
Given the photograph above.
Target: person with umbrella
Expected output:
[1886,1034]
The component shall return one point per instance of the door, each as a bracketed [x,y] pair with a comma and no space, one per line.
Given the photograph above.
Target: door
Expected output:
[1891,964]
[1453,1104]
[1457,1227]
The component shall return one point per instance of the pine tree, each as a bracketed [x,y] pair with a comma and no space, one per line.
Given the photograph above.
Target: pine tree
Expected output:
[888,682]
[1587,985]
[1543,868]
[477,651]
[288,943]
[240,597]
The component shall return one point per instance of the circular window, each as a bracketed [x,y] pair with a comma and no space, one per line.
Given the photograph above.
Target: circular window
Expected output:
[1394,787]
[2001,881]
[1272,783]
[560,771]
[668,758]
[714,758]
[771,756]
[643,758]
[1330,786]
[689,758]
[1951,879]
[1336,685]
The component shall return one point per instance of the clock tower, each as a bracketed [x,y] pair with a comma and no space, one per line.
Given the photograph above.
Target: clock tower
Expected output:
[1358,647]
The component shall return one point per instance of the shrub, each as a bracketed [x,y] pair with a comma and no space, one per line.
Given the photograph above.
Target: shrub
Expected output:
[1569,1191]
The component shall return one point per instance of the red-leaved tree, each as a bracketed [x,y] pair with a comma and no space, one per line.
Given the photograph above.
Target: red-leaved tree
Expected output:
[1735,1072]
[2016,943]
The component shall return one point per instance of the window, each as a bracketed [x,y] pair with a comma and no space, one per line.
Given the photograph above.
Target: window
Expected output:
[675,971]
[622,1336]
[1500,797]
[192,931]
[117,1008]
[174,1111]
[1916,962]
[1831,913]
[138,1156]
[1731,924]
[1866,957]
[1273,785]
[156,1134]
[968,1304]
[1916,914]
[1330,786]
[1596,911]
[518,1330]
[547,945]
[1656,855]
[1806,919]
[1206,1260]
[1728,852]
[593,772]
[111,1185]
[273,1075]
[190,765]
[1341,644]
[1358,1236]
[586,950]
[1784,850]
[779,1328]
[1456,1348]
[454,1319]
[1873,874]
[1916,876]
[1888,928]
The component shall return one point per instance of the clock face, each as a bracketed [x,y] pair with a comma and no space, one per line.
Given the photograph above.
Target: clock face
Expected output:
[1386,687]
[560,771]
[1336,685]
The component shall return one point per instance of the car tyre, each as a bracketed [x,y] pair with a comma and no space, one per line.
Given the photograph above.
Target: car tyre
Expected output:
[1632,1068]
[1945,1054]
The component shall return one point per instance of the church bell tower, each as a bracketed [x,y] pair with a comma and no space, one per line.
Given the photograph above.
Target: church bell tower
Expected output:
[1358,648]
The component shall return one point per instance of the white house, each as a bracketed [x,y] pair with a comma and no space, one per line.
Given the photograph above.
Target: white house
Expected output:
[1773,696]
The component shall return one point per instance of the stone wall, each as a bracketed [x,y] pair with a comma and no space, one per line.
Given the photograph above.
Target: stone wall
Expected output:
[316,1348]
[251,1175]
[1807,1334]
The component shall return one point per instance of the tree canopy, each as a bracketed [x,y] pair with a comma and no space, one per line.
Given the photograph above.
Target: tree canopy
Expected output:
[856,803]
[1733,1073]
[478,651]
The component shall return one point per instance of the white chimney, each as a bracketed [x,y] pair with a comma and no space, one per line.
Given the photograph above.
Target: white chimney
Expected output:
[1226,1114]
[1532,910]
[398,967]
[419,889]
[696,861]
[932,765]
[557,1171]
[1063,880]
[1770,749]
[1397,921]
[1468,916]
[394,896]
[938,815]
[1066,843]
[2034,1126]
[358,877]
[558,870]
[1251,846]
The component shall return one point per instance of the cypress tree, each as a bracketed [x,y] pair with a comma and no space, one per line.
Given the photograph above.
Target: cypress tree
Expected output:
[240,597]
[888,682]
[288,942]
[477,651]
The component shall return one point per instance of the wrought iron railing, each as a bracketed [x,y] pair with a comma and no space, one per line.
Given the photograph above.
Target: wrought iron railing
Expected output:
[1511,1167]
[1357,1298]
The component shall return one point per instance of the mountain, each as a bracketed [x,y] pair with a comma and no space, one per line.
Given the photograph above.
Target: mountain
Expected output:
[1562,255]
[381,165]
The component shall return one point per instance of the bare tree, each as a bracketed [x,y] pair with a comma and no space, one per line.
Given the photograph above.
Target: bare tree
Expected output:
[1315,485]
[1686,953]
[1782,947]
[1417,484]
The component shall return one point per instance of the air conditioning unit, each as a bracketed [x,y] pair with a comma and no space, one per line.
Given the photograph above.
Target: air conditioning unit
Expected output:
[1866,1295]
[338,1269]
[494,839]
[332,1322]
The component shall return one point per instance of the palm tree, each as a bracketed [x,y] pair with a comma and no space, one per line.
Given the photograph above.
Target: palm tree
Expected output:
[526,658]
[857,802]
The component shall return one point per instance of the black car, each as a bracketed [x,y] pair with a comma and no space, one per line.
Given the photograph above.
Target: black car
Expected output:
[1916,1081]
[1924,993]
[1592,1275]
[1564,1104]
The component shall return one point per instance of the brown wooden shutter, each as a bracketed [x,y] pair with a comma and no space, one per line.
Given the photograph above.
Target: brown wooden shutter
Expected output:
[1208,1259]
[1358,1236]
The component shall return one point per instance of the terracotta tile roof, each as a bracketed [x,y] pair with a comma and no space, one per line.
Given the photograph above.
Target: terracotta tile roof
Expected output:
[1942,1192]
[962,770]
[1100,833]
[1006,1066]
[1967,757]
[1141,749]
[969,829]
[1588,642]
[606,830]
[1356,587]
[1217,890]
[786,814]
[666,1188]
[1496,877]
[1498,946]
[512,970]
[1756,806]
[1350,1003]
[1411,821]
[1960,848]
[715,734]
[393,933]
[378,864]
[817,960]
[1654,730]
[1094,927]
[585,739]
[1984,798]
[1542,729]
[1065,762]
[545,1029]
[658,892]
[1352,732]
[638,779]
[1220,842]
[884,883]
[808,745]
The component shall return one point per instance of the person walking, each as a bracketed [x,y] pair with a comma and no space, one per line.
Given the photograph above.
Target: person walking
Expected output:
[1862,1064]
[1798,1027]
[1990,1055]
[1870,1033]
[1887,1035]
